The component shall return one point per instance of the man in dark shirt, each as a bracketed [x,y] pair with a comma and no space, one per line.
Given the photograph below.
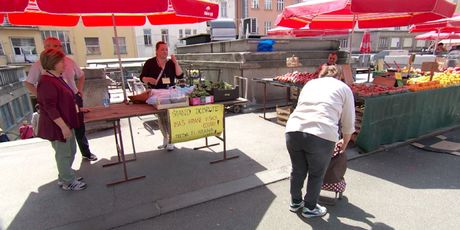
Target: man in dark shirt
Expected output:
[160,73]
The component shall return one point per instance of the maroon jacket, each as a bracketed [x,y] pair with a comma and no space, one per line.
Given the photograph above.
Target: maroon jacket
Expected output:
[56,100]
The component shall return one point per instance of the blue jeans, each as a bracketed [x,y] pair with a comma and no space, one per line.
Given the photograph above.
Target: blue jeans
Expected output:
[309,155]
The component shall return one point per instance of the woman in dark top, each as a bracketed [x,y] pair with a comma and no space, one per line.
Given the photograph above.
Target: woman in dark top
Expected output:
[160,73]
[58,117]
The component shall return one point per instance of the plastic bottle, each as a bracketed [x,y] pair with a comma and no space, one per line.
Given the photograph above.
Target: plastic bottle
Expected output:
[106,99]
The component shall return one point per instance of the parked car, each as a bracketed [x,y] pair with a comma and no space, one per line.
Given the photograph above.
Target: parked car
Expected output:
[222,29]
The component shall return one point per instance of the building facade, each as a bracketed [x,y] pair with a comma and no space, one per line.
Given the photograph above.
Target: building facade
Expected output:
[21,45]
[256,17]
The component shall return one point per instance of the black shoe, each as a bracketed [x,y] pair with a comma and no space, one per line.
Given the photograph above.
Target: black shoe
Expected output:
[91,157]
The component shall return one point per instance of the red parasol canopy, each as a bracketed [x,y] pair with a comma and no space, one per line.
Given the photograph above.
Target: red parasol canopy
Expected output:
[341,14]
[99,13]
[107,13]
[365,46]
[442,25]
[433,35]
[303,32]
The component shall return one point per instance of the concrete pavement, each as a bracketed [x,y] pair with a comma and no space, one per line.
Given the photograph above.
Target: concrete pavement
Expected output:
[405,177]
[403,188]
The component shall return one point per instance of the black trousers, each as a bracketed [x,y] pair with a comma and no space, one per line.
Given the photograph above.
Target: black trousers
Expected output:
[309,155]
[80,132]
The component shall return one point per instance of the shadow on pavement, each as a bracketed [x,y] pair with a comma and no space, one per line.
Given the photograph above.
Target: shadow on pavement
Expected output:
[343,210]
[412,168]
[168,175]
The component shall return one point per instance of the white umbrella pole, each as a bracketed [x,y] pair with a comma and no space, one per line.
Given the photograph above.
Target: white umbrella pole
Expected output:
[436,43]
[117,46]
[351,38]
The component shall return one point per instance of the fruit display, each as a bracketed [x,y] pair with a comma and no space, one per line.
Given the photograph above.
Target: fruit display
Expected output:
[447,78]
[369,89]
[296,77]
[424,86]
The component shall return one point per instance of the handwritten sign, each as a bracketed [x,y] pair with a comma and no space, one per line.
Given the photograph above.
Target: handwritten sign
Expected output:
[190,123]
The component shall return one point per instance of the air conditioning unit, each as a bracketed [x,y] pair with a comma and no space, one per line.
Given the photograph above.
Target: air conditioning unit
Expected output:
[250,25]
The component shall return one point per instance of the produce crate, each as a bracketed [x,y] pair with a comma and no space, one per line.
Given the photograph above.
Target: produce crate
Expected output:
[202,100]
[282,114]
[225,94]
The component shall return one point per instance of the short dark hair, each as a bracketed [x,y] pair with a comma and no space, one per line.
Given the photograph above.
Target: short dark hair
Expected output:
[157,46]
[440,44]
[50,57]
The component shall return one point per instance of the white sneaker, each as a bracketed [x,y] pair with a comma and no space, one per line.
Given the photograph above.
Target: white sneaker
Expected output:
[74,186]
[316,212]
[60,182]
[170,147]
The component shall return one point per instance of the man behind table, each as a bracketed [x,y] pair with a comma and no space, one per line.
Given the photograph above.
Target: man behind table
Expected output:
[72,71]
[332,60]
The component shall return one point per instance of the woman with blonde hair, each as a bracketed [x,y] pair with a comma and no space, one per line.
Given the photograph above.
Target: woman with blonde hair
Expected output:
[58,117]
[312,134]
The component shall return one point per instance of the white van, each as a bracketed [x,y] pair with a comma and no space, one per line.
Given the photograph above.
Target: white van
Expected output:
[222,29]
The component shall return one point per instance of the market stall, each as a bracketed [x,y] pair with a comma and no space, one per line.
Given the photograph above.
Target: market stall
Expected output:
[396,106]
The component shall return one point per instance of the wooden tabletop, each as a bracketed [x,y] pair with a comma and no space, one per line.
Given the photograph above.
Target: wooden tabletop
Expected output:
[118,111]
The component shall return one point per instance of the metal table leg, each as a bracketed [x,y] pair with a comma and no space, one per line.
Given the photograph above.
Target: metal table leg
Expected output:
[118,135]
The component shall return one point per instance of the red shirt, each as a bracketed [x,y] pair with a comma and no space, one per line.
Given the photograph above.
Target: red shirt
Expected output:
[56,99]
[26,132]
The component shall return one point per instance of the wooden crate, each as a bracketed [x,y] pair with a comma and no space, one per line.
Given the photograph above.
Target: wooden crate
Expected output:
[282,114]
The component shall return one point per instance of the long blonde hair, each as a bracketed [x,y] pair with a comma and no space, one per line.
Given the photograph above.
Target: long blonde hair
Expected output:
[329,71]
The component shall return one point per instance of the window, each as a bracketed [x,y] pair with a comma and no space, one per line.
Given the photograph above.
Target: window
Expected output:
[6,116]
[92,46]
[194,32]
[420,43]
[223,9]
[63,36]
[23,46]
[267,26]
[121,44]
[397,28]
[255,4]
[1,49]
[18,113]
[181,33]
[383,42]
[343,43]
[164,35]
[279,5]
[148,37]
[395,43]
[407,42]
[25,101]
[188,32]
[268,4]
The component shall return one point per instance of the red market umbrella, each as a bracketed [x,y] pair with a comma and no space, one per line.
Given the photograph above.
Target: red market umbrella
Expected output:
[107,13]
[303,32]
[118,12]
[442,25]
[433,35]
[342,14]
[365,46]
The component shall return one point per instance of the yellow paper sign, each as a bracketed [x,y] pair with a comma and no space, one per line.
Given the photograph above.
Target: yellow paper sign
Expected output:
[195,122]
[398,76]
